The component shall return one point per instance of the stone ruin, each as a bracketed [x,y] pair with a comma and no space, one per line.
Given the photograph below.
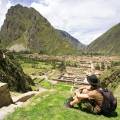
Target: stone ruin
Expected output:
[5,97]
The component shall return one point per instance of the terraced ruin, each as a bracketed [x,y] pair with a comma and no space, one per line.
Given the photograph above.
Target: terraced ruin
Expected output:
[58,73]
[76,68]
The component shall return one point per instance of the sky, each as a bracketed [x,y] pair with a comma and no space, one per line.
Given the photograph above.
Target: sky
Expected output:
[84,19]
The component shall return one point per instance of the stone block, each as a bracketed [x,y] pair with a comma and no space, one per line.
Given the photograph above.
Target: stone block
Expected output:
[5,97]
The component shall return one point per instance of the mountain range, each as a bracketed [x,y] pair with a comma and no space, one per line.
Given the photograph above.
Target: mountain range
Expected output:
[25,29]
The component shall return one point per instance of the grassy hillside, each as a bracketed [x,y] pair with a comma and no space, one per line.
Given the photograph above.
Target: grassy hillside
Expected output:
[111,78]
[25,29]
[108,43]
[50,106]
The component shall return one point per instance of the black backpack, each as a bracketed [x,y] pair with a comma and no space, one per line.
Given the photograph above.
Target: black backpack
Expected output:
[109,103]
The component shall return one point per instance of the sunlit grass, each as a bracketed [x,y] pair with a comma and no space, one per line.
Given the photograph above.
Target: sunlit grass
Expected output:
[50,106]
[30,67]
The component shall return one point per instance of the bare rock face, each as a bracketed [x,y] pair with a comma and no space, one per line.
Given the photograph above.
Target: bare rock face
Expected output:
[5,97]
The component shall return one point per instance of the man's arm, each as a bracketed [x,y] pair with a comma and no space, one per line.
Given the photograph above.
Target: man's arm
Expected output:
[89,95]
[83,96]
[84,87]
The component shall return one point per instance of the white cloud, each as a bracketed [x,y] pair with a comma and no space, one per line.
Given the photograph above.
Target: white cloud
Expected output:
[4,5]
[84,19]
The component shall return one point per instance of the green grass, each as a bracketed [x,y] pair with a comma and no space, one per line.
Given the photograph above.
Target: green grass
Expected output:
[43,83]
[50,106]
[32,66]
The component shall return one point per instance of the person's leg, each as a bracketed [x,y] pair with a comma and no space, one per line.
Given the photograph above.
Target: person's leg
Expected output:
[75,101]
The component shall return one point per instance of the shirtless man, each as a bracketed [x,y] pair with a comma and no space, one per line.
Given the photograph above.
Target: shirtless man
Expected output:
[88,92]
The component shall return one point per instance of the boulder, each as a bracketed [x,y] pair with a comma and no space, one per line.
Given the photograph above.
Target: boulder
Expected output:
[5,97]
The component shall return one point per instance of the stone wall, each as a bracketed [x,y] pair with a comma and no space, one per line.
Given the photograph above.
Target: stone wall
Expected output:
[5,97]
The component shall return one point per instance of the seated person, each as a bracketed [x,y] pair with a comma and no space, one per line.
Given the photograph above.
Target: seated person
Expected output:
[89,92]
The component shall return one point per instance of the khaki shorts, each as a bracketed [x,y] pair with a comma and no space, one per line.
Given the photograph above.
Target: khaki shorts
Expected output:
[86,105]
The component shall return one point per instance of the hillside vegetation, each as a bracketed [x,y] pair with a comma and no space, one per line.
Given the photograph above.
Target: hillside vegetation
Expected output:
[12,73]
[108,43]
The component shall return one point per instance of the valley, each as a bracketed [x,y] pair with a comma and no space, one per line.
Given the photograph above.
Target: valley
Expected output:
[60,81]
[41,66]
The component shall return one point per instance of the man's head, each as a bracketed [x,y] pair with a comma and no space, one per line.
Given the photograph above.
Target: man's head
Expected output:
[93,80]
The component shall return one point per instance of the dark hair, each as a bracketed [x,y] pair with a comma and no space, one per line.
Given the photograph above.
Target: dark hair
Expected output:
[93,80]
[93,87]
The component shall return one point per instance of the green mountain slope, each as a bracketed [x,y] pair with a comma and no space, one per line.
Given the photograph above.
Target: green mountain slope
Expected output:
[25,29]
[108,43]
[76,43]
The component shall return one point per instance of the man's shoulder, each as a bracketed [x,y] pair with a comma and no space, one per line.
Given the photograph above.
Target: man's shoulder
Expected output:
[94,93]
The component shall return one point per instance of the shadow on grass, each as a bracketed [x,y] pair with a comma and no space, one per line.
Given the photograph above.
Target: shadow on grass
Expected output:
[112,115]
[79,107]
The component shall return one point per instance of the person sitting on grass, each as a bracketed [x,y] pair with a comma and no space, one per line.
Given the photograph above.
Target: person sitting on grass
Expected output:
[99,100]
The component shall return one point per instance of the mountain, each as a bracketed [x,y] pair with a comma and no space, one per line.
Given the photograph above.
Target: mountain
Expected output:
[71,39]
[108,43]
[24,29]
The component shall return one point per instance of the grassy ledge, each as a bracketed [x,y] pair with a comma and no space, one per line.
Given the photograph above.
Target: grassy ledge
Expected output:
[50,106]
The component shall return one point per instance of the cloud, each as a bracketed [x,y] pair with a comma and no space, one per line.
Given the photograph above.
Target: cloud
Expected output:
[4,5]
[23,2]
[84,19]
